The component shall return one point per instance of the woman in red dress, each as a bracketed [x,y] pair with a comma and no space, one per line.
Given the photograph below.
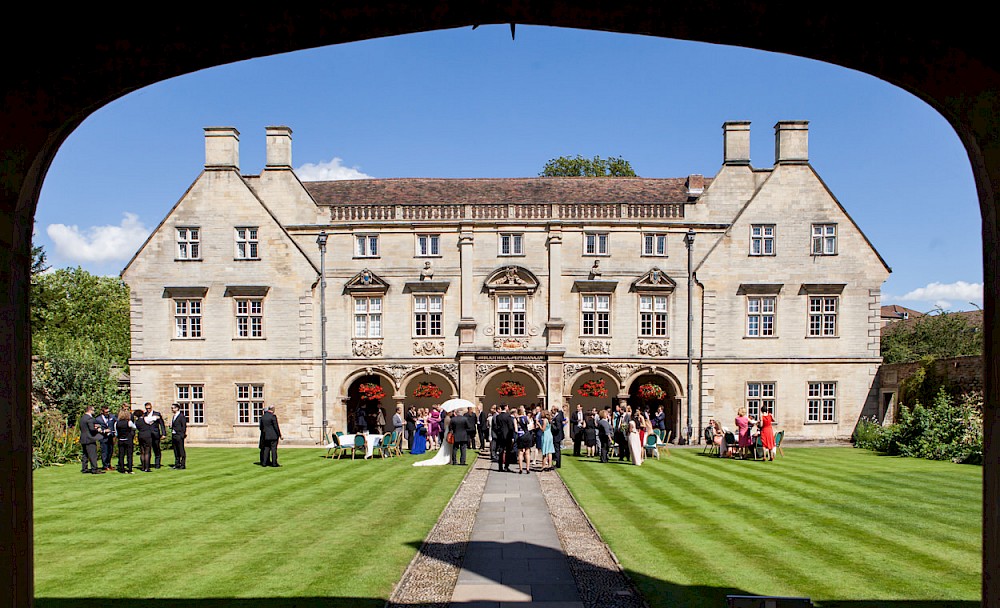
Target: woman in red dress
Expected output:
[767,433]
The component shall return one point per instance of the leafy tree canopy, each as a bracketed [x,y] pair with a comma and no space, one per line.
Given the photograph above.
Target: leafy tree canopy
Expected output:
[939,335]
[578,166]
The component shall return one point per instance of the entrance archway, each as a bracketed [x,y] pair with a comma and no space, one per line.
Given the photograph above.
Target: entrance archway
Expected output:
[492,389]
[45,100]
[358,399]
[640,396]
[586,383]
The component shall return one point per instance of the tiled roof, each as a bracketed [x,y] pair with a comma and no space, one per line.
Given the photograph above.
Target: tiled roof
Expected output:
[895,311]
[411,191]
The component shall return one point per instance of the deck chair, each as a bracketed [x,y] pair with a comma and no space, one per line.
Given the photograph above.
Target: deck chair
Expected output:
[652,445]
[359,444]
[777,442]
[710,447]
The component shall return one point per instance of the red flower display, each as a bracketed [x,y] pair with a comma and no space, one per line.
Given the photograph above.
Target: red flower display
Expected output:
[652,392]
[371,392]
[427,390]
[511,389]
[593,388]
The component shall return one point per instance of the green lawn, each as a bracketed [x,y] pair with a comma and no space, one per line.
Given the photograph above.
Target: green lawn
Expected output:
[313,532]
[845,527]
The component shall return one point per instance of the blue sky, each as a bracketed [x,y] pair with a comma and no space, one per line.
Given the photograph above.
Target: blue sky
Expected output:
[464,103]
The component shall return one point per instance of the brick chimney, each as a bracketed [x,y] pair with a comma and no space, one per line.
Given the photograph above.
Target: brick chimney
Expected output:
[222,149]
[791,142]
[736,142]
[695,185]
[279,148]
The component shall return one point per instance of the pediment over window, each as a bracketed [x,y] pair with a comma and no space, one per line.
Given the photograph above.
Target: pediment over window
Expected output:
[822,289]
[759,289]
[654,280]
[246,291]
[511,279]
[366,281]
[184,292]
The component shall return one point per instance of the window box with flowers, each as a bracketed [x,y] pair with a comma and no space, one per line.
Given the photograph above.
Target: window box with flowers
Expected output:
[427,390]
[371,392]
[652,392]
[511,389]
[593,388]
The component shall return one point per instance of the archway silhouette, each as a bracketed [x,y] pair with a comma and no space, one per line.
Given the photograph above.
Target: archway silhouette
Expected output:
[946,58]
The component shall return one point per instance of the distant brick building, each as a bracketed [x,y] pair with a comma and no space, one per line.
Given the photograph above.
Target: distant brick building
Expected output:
[546,282]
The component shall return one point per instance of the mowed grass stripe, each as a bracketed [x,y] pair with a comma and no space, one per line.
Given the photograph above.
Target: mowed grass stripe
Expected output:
[684,505]
[314,527]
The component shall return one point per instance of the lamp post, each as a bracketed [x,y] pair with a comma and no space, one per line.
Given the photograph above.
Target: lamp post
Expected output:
[689,244]
[321,241]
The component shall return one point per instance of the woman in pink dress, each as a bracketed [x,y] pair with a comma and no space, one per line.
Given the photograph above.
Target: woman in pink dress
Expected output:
[433,428]
[767,433]
[743,424]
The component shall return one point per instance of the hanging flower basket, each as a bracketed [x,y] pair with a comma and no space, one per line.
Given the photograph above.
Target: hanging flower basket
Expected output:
[593,388]
[427,390]
[652,392]
[371,392]
[511,389]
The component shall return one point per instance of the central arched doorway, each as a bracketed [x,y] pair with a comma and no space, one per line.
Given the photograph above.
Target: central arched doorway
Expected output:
[501,387]
[650,392]
[360,397]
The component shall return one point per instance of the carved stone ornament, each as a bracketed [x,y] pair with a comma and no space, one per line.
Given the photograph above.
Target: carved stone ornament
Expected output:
[534,330]
[510,342]
[653,348]
[399,371]
[450,370]
[595,347]
[484,370]
[509,277]
[539,370]
[623,370]
[572,369]
[488,330]
[428,348]
[367,348]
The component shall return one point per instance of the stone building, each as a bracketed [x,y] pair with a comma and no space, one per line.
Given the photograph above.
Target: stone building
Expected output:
[546,283]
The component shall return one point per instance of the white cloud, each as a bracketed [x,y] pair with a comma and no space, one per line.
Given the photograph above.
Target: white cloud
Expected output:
[329,171]
[941,294]
[99,243]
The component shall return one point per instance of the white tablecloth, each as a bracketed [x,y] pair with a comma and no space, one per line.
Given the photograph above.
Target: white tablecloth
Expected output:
[371,442]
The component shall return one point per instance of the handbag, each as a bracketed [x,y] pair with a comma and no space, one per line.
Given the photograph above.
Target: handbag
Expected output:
[451,437]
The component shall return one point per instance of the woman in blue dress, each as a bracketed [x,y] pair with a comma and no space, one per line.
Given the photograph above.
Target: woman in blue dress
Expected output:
[548,446]
[420,441]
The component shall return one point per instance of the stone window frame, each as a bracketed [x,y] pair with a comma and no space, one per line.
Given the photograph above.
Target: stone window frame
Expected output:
[246,243]
[250,311]
[373,317]
[188,243]
[657,244]
[515,245]
[191,401]
[515,321]
[766,393]
[192,320]
[428,316]
[428,245]
[821,402]
[820,317]
[597,315]
[654,314]
[823,239]
[761,314]
[366,245]
[250,403]
[760,240]
[599,238]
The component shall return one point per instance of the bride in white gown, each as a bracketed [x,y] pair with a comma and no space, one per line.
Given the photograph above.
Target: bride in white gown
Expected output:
[444,454]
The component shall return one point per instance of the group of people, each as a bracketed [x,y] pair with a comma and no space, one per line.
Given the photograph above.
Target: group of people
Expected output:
[428,428]
[747,429]
[621,425]
[99,434]
[530,436]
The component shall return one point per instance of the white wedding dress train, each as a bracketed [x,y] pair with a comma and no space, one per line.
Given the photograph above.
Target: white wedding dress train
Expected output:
[442,457]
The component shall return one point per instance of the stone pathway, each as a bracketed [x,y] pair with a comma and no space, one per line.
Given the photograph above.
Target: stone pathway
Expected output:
[514,555]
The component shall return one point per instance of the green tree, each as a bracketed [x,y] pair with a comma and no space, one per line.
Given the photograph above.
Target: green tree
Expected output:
[578,166]
[940,335]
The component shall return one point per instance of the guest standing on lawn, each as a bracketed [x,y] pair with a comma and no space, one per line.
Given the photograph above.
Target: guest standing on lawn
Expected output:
[270,434]
[411,427]
[548,445]
[158,430]
[144,430]
[88,442]
[461,430]
[743,426]
[178,432]
[767,433]
[125,430]
[605,434]
[558,434]
[106,425]
[634,445]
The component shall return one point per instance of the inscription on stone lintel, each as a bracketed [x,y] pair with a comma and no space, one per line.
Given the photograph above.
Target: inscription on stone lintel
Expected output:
[510,357]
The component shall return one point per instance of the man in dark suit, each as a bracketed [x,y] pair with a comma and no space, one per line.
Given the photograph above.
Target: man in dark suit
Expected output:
[576,427]
[558,434]
[88,442]
[178,431]
[411,427]
[158,431]
[461,429]
[504,426]
[270,433]
[473,419]
[483,427]
[604,434]
[106,438]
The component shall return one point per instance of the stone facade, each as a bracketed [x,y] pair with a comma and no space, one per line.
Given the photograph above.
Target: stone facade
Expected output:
[469,283]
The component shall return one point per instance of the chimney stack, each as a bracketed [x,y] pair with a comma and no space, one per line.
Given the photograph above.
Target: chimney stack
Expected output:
[222,148]
[736,142]
[279,148]
[791,142]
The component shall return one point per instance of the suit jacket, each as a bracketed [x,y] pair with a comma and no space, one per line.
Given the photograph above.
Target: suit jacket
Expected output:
[269,429]
[484,416]
[105,423]
[503,426]
[179,425]
[461,427]
[604,429]
[143,429]
[473,421]
[558,430]
[159,428]
[88,429]
[411,420]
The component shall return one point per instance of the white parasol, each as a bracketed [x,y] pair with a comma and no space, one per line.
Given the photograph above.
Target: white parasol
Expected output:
[457,404]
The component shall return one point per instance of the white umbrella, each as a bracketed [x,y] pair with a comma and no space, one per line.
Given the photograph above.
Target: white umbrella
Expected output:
[457,404]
